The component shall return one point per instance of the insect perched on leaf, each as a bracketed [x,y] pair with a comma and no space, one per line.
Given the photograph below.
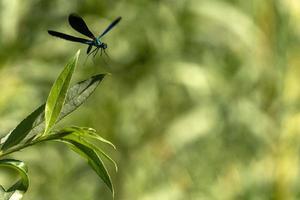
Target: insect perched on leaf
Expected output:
[79,25]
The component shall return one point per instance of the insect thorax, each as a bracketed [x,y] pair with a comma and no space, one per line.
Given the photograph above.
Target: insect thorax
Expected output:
[98,42]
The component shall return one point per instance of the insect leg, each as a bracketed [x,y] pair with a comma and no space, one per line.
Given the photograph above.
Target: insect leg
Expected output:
[96,52]
[92,51]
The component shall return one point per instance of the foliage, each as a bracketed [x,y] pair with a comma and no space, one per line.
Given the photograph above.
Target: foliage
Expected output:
[32,130]
[203,102]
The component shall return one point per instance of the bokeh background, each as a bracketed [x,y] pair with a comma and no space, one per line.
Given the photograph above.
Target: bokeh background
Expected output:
[202,103]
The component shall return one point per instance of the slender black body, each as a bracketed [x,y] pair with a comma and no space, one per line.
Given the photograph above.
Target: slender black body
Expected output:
[79,25]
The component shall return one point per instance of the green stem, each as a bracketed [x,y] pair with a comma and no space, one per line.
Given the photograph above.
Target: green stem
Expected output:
[38,140]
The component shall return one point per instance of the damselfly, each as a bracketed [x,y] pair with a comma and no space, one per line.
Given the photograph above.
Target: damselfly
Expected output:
[79,25]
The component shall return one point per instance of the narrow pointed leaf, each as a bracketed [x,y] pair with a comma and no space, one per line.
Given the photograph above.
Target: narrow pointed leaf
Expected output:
[92,134]
[93,160]
[33,124]
[108,158]
[79,93]
[58,94]
[76,96]
[21,131]
[102,153]
[79,135]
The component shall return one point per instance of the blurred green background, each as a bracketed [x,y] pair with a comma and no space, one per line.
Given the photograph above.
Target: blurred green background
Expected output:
[202,103]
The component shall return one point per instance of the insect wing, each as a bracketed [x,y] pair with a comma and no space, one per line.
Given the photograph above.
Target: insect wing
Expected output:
[69,37]
[114,23]
[79,25]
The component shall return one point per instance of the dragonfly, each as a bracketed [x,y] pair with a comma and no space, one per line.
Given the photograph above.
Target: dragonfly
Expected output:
[78,24]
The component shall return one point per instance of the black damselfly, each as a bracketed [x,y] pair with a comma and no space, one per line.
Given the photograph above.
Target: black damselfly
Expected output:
[79,25]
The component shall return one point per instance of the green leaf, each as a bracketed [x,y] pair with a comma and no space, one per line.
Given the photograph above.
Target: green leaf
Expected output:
[55,135]
[23,183]
[91,133]
[58,94]
[107,157]
[82,135]
[93,160]
[22,130]
[79,93]
[33,124]
[76,96]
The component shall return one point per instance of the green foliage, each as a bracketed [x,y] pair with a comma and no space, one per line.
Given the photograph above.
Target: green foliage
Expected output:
[86,150]
[203,102]
[33,124]
[58,94]
[61,102]
[16,191]
[22,130]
